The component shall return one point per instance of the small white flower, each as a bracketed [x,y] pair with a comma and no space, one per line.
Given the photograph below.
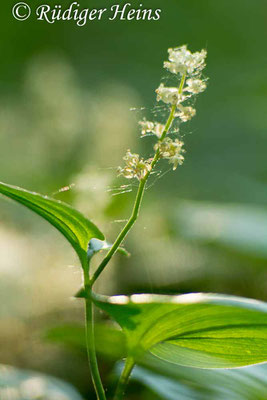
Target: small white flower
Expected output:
[175,68]
[171,150]
[158,129]
[170,95]
[146,126]
[176,160]
[198,63]
[151,127]
[135,167]
[185,113]
[195,86]
[182,61]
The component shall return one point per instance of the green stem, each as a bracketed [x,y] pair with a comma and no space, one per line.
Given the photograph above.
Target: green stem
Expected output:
[124,378]
[181,86]
[139,196]
[124,231]
[167,127]
[90,340]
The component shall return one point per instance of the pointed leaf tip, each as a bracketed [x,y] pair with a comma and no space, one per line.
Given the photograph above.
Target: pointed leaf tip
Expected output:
[77,229]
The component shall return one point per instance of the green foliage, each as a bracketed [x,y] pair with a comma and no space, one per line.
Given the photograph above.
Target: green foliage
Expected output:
[196,384]
[196,330]
[77,229]
[161,377]
[225,164]
[25,385]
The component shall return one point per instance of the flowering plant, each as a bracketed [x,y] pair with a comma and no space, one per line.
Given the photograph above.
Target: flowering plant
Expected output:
[194,330]
[188,68]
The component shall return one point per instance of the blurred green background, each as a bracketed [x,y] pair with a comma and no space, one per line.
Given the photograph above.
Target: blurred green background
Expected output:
[71,98]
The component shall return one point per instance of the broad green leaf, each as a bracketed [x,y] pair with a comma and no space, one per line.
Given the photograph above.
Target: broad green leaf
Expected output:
[77,229]
[197,330]
[110,342]
[183,383]
[161,377]
[24,385]
[165,387]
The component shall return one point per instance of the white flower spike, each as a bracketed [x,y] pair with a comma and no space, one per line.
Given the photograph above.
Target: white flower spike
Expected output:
[188,67]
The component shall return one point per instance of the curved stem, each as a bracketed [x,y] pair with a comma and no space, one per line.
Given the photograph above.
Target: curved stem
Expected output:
[139,195]
[124,378]
[124,231]
[90,340]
